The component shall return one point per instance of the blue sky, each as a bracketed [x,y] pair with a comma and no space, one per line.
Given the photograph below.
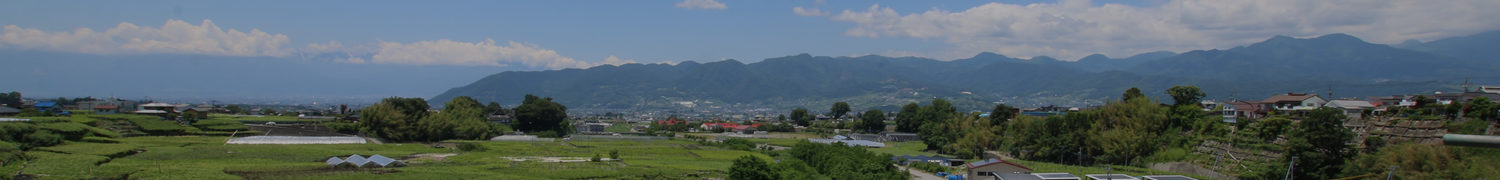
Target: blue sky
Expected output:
[566,34]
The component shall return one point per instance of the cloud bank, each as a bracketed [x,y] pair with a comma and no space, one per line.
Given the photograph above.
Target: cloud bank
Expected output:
[701,5]
[1071,29]
[176,36]
[180,37]
[808,11]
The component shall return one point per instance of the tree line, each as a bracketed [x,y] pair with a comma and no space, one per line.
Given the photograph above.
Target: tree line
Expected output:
[408,119]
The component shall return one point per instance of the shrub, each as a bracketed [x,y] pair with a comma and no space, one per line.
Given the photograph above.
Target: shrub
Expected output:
[41,138]
[596,158]
[614,154]
[471,147]
[349,128]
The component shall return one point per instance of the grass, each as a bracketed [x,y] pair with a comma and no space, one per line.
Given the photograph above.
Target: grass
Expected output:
[261,119]
[903,148]
[97,149]
[618,127]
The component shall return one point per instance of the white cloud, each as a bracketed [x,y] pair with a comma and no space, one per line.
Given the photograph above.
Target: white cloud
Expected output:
[477,53]
[1072,29]
[701,4]
[485,53]
[808,11]
[176,36]
[612,60]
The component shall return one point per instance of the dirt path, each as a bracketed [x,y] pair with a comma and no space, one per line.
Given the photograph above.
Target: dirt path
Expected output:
[920,175]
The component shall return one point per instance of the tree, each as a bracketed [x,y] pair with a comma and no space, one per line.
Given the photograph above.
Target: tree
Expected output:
[872,121]
[394,118]
[751,168]
[1482,108]
[780,118]
[492,107]
[614,154]
[1132,93]
[1001,114]
[12,99]
[267,111]
[541,114]
[801,116]
[1319,144]
[906,120]
[1185,95]
[931,128]
[235,109]
[839,109]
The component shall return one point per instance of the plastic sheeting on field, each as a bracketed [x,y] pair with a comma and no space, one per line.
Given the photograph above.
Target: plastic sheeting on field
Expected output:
[298,140]
[360,161]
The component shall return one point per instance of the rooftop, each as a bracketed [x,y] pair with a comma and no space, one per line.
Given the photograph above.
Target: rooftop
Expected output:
[1289,97]
[993,161]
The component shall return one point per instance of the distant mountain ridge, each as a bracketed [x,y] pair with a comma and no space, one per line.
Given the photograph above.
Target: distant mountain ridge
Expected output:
[1337,62]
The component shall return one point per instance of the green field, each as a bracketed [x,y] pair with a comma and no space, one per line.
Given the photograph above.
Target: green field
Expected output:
[262,119]
[207,157]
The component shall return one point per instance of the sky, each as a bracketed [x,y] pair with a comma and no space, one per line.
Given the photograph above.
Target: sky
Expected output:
[542,35]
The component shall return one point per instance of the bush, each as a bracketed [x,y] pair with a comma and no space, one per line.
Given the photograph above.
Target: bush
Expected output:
[349,128]
[41,138]
[471,147]
[14,131]
[596,158]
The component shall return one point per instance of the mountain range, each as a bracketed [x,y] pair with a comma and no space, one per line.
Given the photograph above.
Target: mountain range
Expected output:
[1336,65]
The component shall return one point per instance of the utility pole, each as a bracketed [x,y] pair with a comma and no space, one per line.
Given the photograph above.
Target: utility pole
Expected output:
[1289,166]
[1391,174]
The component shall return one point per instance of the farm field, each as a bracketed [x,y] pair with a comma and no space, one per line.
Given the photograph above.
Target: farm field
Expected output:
[207,157]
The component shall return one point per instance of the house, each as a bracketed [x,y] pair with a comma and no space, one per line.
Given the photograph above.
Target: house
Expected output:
[8,111]
[108,105]
[1208,105]
[1236,110]
[106,109]
[1295,101]
[731,127]
[45,106]
[500,116]
[991,167]
[1354,109]
[670,121]
[159,109]
[593,127]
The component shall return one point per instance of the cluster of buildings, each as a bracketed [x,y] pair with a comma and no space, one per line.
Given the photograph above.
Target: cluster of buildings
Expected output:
[1005,170]
[1233,111]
